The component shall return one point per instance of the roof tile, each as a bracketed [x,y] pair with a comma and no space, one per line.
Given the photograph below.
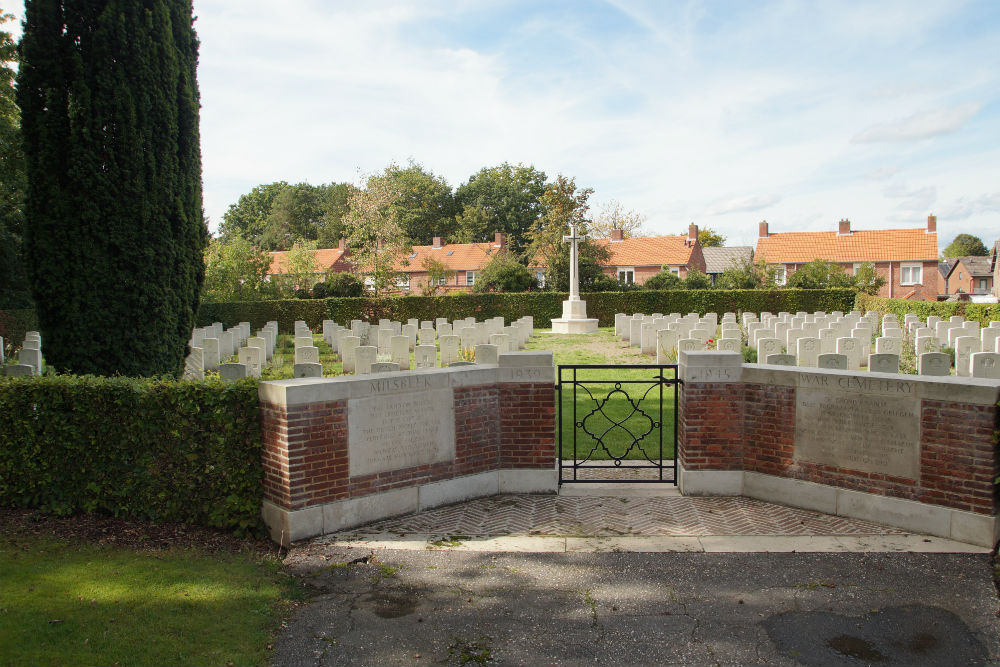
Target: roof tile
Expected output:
[876,245]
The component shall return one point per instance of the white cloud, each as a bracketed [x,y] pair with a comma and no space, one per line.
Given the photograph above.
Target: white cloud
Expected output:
[744,204]
[920,125]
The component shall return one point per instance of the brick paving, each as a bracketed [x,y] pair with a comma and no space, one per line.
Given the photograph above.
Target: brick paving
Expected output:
[606,516]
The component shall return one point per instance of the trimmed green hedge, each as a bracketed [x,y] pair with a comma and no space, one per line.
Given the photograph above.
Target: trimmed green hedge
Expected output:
[973,312]
[13,324]
[161,450]
[259,313]
[542,305]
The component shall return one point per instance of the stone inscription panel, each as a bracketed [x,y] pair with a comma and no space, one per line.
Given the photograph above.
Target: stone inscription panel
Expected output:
[875,433]
[399,431]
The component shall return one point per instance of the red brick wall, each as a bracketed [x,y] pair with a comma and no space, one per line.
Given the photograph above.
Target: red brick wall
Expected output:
[710,426]
[752,427]
[305,452]
[527,425]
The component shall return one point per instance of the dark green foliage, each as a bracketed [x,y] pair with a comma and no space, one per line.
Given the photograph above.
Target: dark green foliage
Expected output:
[591,275]
[664,280]
[966,245]
[153,449]
[248,217]
[509,198]
[697,280]
[114,231]
[13,324]
[818,274]
[259,313]
[14,289]
[339,284]
[983,313]
[504,273]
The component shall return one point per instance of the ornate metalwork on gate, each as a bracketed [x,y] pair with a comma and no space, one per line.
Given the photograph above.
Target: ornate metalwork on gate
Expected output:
[617,423]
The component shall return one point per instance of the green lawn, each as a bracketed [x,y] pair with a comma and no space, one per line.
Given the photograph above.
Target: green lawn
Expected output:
[603,408]
[67,603]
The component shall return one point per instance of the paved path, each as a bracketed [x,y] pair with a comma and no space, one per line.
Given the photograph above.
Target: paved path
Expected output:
[583,580]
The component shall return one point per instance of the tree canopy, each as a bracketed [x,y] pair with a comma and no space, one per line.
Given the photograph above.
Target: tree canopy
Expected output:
[614,215]
[377,238]
[966,245]
[114,231]
[504,273]
[425,205]
[14,288]
[509,197]
[235,270]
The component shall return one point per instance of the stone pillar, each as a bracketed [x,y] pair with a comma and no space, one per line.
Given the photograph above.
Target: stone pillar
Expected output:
[710,423]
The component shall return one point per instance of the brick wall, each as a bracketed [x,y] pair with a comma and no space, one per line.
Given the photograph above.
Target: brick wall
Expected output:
[750,426]
[527,425]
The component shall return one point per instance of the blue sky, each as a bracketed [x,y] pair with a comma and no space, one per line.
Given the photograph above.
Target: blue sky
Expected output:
[718,113]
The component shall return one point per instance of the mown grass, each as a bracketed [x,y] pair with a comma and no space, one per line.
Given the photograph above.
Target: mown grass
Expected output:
[67,603]
[610,412]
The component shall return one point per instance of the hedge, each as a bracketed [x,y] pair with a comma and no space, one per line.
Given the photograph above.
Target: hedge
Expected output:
[973,312]
[542,305]
[160,450]
[13,324]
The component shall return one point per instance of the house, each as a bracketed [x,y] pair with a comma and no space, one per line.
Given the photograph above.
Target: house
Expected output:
[718,259]
[461,262]
[907,258]
[328,260]
[971,275]
[636,259]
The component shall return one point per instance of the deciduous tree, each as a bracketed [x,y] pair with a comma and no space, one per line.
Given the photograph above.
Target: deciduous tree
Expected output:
[235,270]
[14,288]
[966,245]
[509,196]
[375,234]
[425,205]
[114,231]
[614,215]
[504,273]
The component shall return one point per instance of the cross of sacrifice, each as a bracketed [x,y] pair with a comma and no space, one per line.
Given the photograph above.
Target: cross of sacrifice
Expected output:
[574,275]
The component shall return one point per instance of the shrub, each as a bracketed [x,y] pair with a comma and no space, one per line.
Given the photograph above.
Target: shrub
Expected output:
[161,450]
[339,284]
[664,280]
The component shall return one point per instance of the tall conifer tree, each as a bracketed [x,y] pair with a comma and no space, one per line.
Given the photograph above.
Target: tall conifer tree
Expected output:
[114,230]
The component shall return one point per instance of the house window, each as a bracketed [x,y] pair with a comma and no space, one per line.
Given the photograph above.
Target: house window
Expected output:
[909,274]
[443,280]
[779,275]
[403,281]
[857,265]
[982,283]
[470,277]
[626,276]
[676,270]
[540,277]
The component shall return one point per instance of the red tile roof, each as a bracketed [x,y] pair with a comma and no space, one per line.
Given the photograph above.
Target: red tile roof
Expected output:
[875,245]
[325,258]
[455,256]
[648,250]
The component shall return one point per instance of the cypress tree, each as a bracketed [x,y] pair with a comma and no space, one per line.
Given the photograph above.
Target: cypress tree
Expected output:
[114,230]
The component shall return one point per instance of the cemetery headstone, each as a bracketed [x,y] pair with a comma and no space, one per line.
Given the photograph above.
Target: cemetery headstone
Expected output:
[364,357]
[194,368]
[384,367]
[781,359]
[986,365]
[832,361]
[232,372]
[487,354]
[425,356]
[400,350]
[883,363]
[253,359]
[934,363]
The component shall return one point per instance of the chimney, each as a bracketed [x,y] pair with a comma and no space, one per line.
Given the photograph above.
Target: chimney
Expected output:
[844,228]
[342,245]
[498,240]
[763,229]
[437,242]
[931,224]
[692,233]
[617,234]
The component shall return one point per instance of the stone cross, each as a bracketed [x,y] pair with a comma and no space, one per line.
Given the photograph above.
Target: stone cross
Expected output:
[574,276]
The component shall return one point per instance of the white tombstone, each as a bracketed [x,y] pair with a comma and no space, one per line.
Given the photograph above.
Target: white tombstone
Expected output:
[635,333]
[470,338]
[194,368]
[450,346]
[307,370]
[883,363]
[888,345]
[348,349]
[767,347]
[666,344]
[986,365]
[486,354]
[807,352]
[689,345]
[424,356]
[253,359]
[620,320]
[426,336]
[934,363]
[924,344]
[965,346]
[832,361]
[399,347]
[444,329]
[307,354]
[852,349]
[781,359]
[647,344]
[502,342]
[728,345]
[988,337]
[210,353]
[384,367]
[364,357]
[232,372]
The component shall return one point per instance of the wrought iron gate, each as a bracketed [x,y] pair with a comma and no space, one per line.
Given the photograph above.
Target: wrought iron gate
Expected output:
[617,418]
